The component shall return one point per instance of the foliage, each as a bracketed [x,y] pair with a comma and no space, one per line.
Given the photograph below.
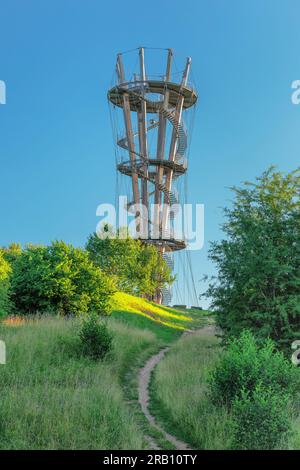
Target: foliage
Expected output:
[59,278]
[4,267]
[245,364]
[4,285]
[138,268]
[12,252]
[95,337]
[260,420]
[258,284]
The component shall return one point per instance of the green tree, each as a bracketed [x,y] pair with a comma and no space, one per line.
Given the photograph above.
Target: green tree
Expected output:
[258,282]
[138,268]
[4,285]
[11,252]
[59,278]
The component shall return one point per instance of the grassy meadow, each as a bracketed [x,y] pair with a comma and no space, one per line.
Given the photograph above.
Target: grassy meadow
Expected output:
[179,393]
[52,397]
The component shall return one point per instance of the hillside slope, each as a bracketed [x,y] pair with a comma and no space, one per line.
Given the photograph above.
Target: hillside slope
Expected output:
[168,323]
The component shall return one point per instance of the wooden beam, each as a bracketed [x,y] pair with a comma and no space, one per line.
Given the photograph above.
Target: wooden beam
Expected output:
[129,131]
[142,129]
[161,144]
[173,146]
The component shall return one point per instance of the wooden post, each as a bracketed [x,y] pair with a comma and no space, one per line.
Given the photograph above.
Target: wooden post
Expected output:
[142,129]
[129,131]
[173,145]
[161,144]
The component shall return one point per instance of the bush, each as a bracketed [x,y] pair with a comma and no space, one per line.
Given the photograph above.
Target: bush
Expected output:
[245,364]
[59,278]
[260,419]
[95,337]
[4,286]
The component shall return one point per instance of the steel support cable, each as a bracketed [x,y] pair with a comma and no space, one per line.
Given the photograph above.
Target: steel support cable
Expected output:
[186,197]
[193,279]
[186,278]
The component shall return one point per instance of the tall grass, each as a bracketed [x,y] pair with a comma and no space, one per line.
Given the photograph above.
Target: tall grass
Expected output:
[53,398]
[179,393]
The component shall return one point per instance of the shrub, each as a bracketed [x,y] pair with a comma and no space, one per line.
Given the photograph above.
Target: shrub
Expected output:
[4,286]
[260,419]
[95,337]
[244,364]
[59,278]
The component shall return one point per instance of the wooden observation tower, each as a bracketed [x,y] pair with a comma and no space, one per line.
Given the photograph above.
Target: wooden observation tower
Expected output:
[151,146]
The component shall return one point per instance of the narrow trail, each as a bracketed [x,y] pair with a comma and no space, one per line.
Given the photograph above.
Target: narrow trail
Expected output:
[144,396]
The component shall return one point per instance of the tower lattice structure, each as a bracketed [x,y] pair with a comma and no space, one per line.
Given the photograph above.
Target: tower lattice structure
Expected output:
[152,144]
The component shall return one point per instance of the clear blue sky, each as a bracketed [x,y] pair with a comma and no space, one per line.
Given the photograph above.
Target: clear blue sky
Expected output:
[57,59]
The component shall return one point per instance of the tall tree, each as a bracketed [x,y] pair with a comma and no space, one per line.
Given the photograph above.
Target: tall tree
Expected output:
[5,270]
[12,252]
[258,282]
[138,268]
